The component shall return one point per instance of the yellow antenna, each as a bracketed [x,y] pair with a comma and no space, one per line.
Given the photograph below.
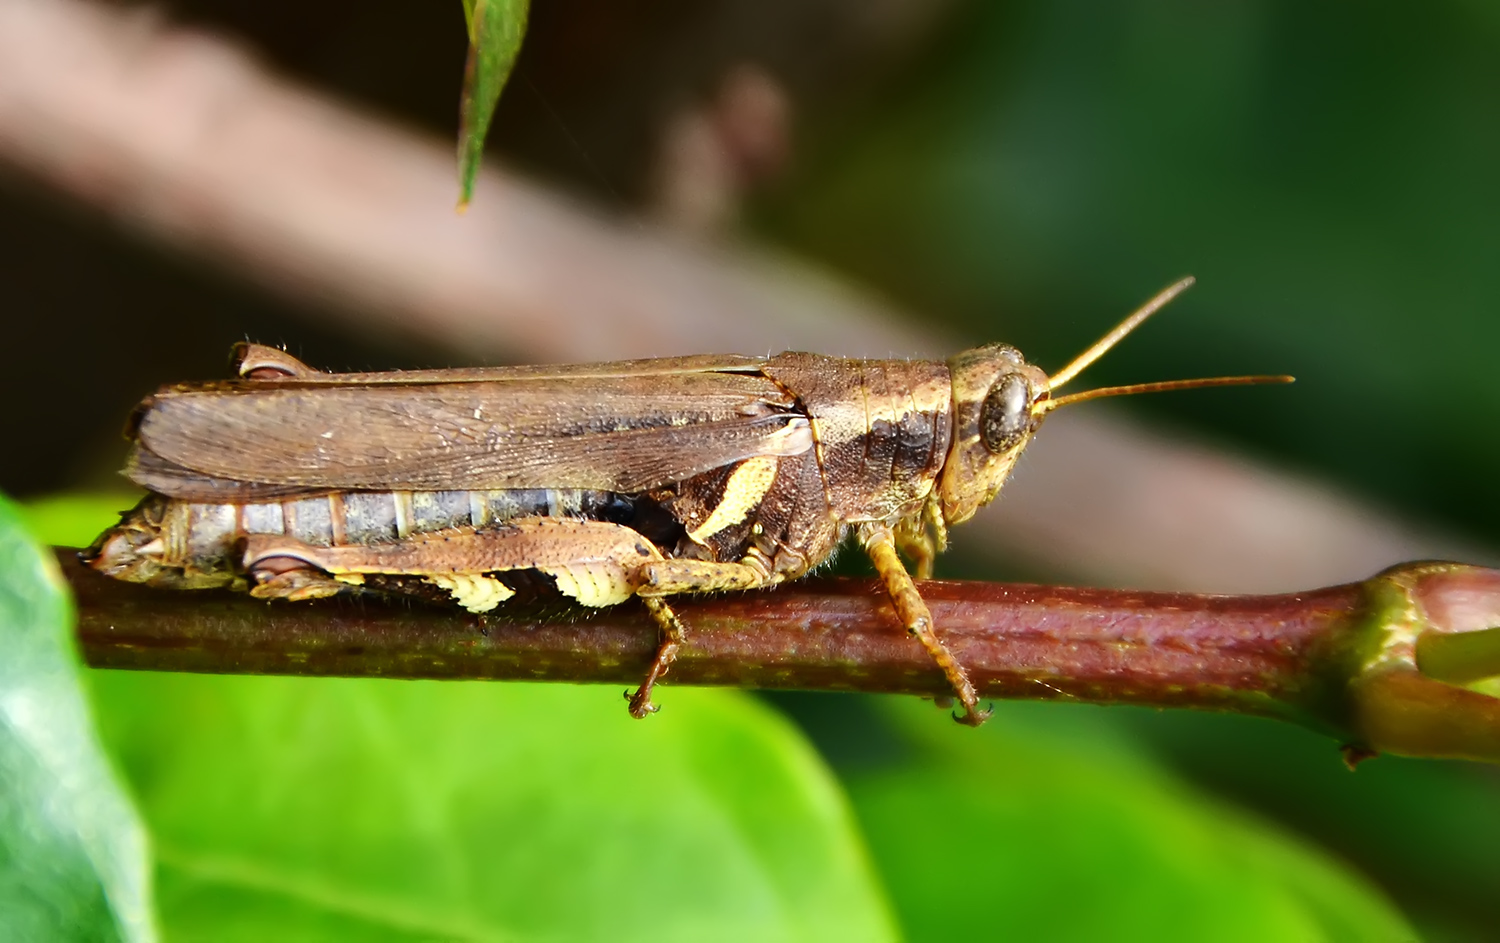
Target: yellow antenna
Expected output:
[1103,344]
[1161,386]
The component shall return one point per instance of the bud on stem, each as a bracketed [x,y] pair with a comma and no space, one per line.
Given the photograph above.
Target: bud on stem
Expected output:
[1428,630]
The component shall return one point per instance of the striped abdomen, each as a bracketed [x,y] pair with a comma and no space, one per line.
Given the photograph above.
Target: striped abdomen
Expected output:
[186,544]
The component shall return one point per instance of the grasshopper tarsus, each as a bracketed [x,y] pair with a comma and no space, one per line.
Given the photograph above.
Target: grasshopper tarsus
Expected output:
[671,637]
[957,677]
[640,703]
[973,716]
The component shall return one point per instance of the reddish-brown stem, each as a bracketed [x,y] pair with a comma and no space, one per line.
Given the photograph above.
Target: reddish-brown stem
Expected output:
[1243,653]
[1380,664]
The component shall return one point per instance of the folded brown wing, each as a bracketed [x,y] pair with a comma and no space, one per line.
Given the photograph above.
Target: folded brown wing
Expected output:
[616,433]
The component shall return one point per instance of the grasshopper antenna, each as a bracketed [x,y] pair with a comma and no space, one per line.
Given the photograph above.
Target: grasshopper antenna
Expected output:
[1160,386]
[1103,345]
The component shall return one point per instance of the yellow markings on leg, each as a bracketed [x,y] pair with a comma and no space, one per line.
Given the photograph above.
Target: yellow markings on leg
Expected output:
[594,562]
[353,579]
[670,577]
[932,513]
[898,583]
[474,592]
[915,538]
[595,584]
[747,484]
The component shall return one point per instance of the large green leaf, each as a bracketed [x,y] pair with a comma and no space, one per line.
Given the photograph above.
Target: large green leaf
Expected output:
[359,809]
[73,857]
[1429,831]
[1006,833]
[495,31]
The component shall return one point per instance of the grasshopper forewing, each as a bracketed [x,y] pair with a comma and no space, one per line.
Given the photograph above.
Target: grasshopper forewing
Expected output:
[600,482]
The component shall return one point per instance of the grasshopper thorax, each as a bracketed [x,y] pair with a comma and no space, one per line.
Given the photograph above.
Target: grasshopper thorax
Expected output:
[997,406]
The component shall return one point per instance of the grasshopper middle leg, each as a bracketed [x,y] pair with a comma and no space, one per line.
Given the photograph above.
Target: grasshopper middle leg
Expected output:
[673,577]
[880,542]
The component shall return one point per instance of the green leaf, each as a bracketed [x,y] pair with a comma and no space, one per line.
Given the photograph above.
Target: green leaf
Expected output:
[73,857]
[74,520]
[1003,833]
[397,810]
[495,31]
[1426,830]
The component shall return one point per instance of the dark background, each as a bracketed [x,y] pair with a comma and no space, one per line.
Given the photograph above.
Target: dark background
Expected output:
[1016,171]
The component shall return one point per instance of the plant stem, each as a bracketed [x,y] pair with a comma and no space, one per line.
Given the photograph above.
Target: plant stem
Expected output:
[1340,659]
[1244,653]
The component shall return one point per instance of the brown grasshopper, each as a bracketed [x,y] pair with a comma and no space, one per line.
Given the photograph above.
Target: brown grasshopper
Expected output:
[599,482]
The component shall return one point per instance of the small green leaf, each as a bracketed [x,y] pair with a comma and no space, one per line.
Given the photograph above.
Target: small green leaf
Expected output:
[495,31]
[1041,842]
[73,857]
[405,810]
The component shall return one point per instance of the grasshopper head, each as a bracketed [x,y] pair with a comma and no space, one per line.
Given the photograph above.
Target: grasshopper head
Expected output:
[1000,400]
[997,406]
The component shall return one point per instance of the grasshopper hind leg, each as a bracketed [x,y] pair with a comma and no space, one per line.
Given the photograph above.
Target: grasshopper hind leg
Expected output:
[595,563]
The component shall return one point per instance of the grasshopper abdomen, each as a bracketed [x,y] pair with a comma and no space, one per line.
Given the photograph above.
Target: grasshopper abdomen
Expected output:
[182,544]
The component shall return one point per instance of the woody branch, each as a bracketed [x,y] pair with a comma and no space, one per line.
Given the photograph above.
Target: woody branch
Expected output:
[1378,664]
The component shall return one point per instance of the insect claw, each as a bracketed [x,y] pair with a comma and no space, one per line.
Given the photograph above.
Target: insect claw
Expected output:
[973,716]
[640,703]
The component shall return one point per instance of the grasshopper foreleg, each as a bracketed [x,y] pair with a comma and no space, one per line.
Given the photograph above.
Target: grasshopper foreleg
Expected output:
[880,543]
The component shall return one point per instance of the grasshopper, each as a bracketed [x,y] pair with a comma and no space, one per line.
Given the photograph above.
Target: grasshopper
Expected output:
[599,482]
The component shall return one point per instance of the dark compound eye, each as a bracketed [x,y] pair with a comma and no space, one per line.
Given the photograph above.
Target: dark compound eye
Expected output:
[1006,414]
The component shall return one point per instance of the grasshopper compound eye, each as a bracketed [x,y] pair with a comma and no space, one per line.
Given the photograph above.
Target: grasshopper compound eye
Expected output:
[1006,414]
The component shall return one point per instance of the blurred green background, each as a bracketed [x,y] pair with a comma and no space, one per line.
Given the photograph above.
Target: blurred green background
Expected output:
[1018,171]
